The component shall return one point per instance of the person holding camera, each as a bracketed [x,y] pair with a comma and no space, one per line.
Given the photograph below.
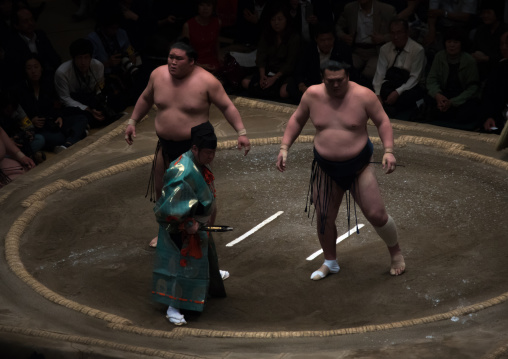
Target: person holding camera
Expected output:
[79,83]
[112,47]
[38,98]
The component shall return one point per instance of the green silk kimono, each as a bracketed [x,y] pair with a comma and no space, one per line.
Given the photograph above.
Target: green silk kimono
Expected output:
[184,264]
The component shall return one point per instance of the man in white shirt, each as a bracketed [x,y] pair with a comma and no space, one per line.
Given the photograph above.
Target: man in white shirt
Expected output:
[79,81]
[399,70]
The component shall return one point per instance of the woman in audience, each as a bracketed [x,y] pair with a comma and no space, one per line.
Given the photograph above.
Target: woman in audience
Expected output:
[453,85]
[39,100]
[276,57]
[203,34]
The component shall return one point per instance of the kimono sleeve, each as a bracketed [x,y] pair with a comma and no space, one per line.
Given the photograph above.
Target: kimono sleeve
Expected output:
[185,193]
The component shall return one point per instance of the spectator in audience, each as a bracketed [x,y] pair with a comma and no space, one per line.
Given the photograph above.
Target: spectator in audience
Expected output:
[139,23]
[19,128]
[111,45]
[306,14]
[363,25]
[6,75]
[126,74]
[485,49]
[85,9]
[411,8]
[5,19]
[13,162]
[398,5]
[25,40]
[276,57]
[445,14]
[415,12]
[170,15]
[495,96]
[38,98]
[249,21]
[226,12]
[399,71]
[121,63]
[453,85]
[203,33]
[79,82]
[308,70]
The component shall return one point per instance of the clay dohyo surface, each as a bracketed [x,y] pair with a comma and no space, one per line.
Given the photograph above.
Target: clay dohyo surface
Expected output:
[90,245]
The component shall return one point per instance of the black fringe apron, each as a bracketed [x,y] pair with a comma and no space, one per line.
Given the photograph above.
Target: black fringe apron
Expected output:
[344,173]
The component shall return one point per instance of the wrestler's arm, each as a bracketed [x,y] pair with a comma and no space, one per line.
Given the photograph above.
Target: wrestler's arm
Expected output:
[294,127]
[220,98]
[143,105]
[376,113]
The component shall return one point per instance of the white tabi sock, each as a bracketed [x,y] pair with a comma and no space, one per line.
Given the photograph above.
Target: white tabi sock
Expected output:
[174,316]
[329,266]
[332,265]
[174,312]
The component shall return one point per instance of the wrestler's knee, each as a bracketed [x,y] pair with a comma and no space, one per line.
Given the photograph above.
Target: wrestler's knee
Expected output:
[377,217]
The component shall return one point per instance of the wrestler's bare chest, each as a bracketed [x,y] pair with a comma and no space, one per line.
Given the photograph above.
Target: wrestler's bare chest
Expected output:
[186,98]
[339,114]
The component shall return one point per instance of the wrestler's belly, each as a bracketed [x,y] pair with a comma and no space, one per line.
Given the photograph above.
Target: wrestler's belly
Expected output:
[339,146]
[175,125]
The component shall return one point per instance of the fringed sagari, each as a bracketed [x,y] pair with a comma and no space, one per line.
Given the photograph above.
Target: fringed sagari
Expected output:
[151,180]
[318,176]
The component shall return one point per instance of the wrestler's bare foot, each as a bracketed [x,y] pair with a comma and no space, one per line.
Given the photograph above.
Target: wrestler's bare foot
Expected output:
[153,242]
[329,266]
[398,265]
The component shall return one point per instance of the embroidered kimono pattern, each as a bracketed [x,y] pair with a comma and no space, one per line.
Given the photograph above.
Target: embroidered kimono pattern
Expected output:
[183,264]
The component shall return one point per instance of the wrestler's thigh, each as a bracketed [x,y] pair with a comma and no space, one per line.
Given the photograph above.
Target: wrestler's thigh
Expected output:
[368,197]
[327,189]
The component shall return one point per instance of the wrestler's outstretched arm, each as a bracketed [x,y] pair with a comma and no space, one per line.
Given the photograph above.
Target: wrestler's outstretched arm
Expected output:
[377,114]
[294,127]
[143,105]
[220,98]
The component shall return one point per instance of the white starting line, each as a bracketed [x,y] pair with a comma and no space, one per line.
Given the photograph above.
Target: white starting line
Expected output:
[340,239]
[266,221]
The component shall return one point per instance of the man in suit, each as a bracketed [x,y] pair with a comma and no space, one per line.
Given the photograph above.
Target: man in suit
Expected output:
[308,14]
[363,25]
[308,71]
[25,40]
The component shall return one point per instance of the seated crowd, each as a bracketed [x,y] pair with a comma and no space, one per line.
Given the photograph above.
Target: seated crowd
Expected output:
[441,62]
